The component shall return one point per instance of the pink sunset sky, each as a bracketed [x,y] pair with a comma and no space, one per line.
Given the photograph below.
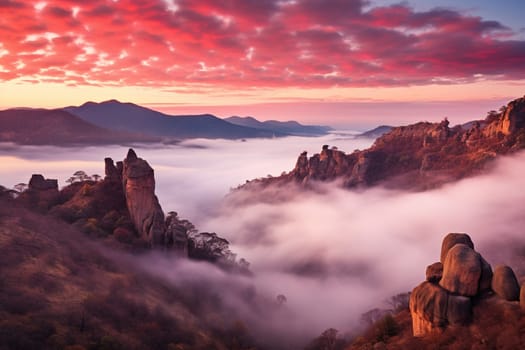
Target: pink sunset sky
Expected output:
[324,61]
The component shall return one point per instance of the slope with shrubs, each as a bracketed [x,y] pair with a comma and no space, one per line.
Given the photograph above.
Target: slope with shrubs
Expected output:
[60,290]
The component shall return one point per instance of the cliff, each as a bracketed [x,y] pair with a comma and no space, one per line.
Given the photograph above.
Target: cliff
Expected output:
[418,156]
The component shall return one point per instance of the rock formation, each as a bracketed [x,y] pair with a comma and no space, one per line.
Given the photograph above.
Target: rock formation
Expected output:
[452,288]
[41,193]
[418,156]
[451,240]
[113,174]
[39,183]
[505,284]
[139,188]
[124,205]
[461,271]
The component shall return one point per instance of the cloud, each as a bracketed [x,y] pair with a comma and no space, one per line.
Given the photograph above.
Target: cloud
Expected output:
[292,43]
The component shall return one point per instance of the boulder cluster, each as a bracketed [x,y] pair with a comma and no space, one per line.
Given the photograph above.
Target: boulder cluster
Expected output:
[454,285]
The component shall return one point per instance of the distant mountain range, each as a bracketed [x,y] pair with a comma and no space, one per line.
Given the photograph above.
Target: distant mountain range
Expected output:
[57,127]
[113,122]
[130,117]
[289,127]
[376,132]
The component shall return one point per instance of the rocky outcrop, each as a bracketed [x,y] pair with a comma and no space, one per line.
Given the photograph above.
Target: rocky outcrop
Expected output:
[124,205]
[39,183]
[41,193]
[505,284]
[418,156]
[454,288]
[112,173]
[139,188]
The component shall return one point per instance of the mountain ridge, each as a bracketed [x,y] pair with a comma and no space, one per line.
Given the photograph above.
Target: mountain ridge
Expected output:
[417,156]
[58,127]
[113,114]
[290,127]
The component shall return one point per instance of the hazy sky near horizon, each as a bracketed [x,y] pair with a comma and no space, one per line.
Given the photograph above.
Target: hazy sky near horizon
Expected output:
[241,56]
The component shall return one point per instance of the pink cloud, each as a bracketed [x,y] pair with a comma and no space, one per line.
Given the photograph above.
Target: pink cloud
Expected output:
[249,43]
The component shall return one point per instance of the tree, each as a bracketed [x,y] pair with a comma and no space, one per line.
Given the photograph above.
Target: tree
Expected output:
[95,177]
[70,180]
[328,340]
[81,175]
[21,187]
[281,299]
[399,301]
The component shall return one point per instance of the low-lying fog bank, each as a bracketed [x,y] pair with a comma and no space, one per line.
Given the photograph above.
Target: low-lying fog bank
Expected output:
[190,177]
[333,253]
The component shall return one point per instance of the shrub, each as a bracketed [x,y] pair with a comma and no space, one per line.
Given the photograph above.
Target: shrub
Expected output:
[328,340]
[385,328]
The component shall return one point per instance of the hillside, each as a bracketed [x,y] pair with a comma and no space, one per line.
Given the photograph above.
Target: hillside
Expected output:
[418,156]
[288,127]
[57,127]
[92,266]
[130,117]
[60,290]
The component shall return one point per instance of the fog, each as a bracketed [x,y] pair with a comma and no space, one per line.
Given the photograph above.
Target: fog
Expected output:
[191,177]
[333,253]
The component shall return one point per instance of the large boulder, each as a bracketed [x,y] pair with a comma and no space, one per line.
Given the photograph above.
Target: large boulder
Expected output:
[485,280]
[451,240]
[461,271]
[428,307]
[505,284]
[143,206]
[433,308]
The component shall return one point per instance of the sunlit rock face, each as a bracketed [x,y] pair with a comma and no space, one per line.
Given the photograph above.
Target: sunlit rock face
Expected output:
[418,156]
[454,288]
[461,271]
[451,240]
[144,208]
